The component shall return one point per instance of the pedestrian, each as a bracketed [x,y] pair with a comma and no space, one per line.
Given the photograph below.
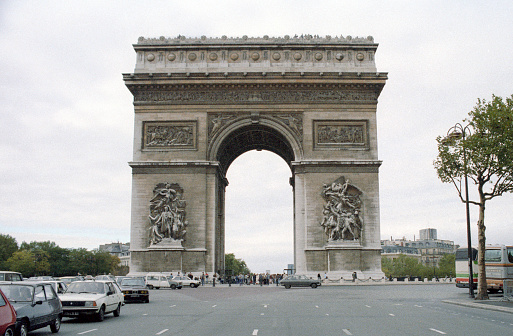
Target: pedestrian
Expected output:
[202,278]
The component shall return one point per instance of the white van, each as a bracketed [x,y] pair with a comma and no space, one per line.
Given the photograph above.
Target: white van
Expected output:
[158,280]
[10,276]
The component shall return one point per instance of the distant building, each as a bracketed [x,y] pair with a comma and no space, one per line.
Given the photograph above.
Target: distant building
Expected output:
[394,251]
[429,249]
[427,234]
[120,250]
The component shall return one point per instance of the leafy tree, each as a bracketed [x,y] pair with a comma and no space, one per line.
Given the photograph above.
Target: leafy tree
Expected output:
[236,266]
[447,265]
[29,263]
[58,257]
[8,246]
[387,267]
[486,157]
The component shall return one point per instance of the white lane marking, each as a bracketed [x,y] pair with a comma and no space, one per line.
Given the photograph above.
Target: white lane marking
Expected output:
[88,331]
[347,332]
[438,331]
[391,314]
[172,306]
[255,332]
[216,305]
[367,306]
[262,314]
[161,332]
[265,306]
[418,306]
[316,306]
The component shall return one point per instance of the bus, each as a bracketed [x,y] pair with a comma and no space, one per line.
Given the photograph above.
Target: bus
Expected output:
[499,266]
[498,262]
[462,267]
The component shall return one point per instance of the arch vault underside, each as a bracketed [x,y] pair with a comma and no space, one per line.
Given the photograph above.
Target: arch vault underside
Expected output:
[200,103]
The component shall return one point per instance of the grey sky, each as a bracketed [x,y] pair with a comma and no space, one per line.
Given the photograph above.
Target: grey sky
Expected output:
[66,122]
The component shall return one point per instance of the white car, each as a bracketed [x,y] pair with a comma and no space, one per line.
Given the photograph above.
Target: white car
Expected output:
[92,298]
[186,281]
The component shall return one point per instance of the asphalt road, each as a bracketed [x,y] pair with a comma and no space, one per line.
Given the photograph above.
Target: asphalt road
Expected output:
[271,310]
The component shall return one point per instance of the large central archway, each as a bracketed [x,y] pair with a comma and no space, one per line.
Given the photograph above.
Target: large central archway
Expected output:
[201,103]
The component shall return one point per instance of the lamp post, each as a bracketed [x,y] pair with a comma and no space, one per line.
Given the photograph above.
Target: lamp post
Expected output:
[459,132]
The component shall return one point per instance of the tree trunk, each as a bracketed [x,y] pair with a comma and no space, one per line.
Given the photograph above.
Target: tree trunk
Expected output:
[482,292]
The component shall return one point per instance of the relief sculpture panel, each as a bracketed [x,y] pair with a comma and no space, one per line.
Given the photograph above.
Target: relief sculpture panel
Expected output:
[342,218]
[338,134]
[169,135]
[167,215]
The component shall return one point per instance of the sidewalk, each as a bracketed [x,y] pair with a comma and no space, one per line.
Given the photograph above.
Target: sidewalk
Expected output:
[494,303]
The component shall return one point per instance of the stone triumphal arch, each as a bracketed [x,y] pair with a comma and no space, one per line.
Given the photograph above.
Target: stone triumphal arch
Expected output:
[201,102]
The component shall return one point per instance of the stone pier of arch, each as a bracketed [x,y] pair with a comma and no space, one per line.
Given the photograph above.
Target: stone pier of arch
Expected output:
[199,103]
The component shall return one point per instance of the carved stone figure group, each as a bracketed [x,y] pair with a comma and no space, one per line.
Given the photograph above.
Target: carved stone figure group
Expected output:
[167,214]
[341,214]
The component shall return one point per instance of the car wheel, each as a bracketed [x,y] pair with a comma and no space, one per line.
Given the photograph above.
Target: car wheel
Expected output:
[100,316]
[287,286]
[9,331]
[55,326]
[23,329]
[117,311]
[313,285]
[173,286]
[193,285]
[157,287]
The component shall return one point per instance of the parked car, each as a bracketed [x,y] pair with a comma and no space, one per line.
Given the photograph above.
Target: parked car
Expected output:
[105,277]
[69,279]
[186,281]
[92,298]
[156,280]
[10,276]
[296,280]
[36,303]
[119,279]
[7,316]
[134,289]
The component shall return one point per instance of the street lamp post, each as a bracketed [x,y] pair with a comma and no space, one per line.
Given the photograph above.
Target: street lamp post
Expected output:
[460,132]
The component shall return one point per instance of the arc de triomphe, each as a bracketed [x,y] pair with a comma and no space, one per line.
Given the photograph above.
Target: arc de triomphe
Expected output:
[201,102]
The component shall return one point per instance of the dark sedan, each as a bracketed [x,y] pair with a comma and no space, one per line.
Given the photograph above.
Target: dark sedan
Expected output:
[134,289]
[36,305]
[299,281]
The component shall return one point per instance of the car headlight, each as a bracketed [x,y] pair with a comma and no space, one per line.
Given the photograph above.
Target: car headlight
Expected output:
[90,304]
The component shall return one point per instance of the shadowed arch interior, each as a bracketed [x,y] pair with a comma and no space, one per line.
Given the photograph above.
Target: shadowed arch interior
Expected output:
[252,137]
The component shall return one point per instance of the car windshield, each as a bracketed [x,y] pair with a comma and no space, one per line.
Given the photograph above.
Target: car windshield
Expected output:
[132,282]
[18,293]
[86,287]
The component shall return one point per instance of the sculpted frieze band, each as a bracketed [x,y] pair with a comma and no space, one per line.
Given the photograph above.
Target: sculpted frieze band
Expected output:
[256,96]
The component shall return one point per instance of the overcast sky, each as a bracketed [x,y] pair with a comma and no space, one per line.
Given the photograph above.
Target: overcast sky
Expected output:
[66,127]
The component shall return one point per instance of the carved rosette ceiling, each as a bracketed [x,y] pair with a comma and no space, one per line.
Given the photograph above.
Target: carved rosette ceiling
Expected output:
[341,215]
[167,224]
[219,121]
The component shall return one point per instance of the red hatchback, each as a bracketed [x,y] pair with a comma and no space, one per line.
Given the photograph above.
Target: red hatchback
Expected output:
[7,316]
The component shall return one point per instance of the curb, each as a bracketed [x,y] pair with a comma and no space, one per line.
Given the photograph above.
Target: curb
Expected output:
[481,305]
